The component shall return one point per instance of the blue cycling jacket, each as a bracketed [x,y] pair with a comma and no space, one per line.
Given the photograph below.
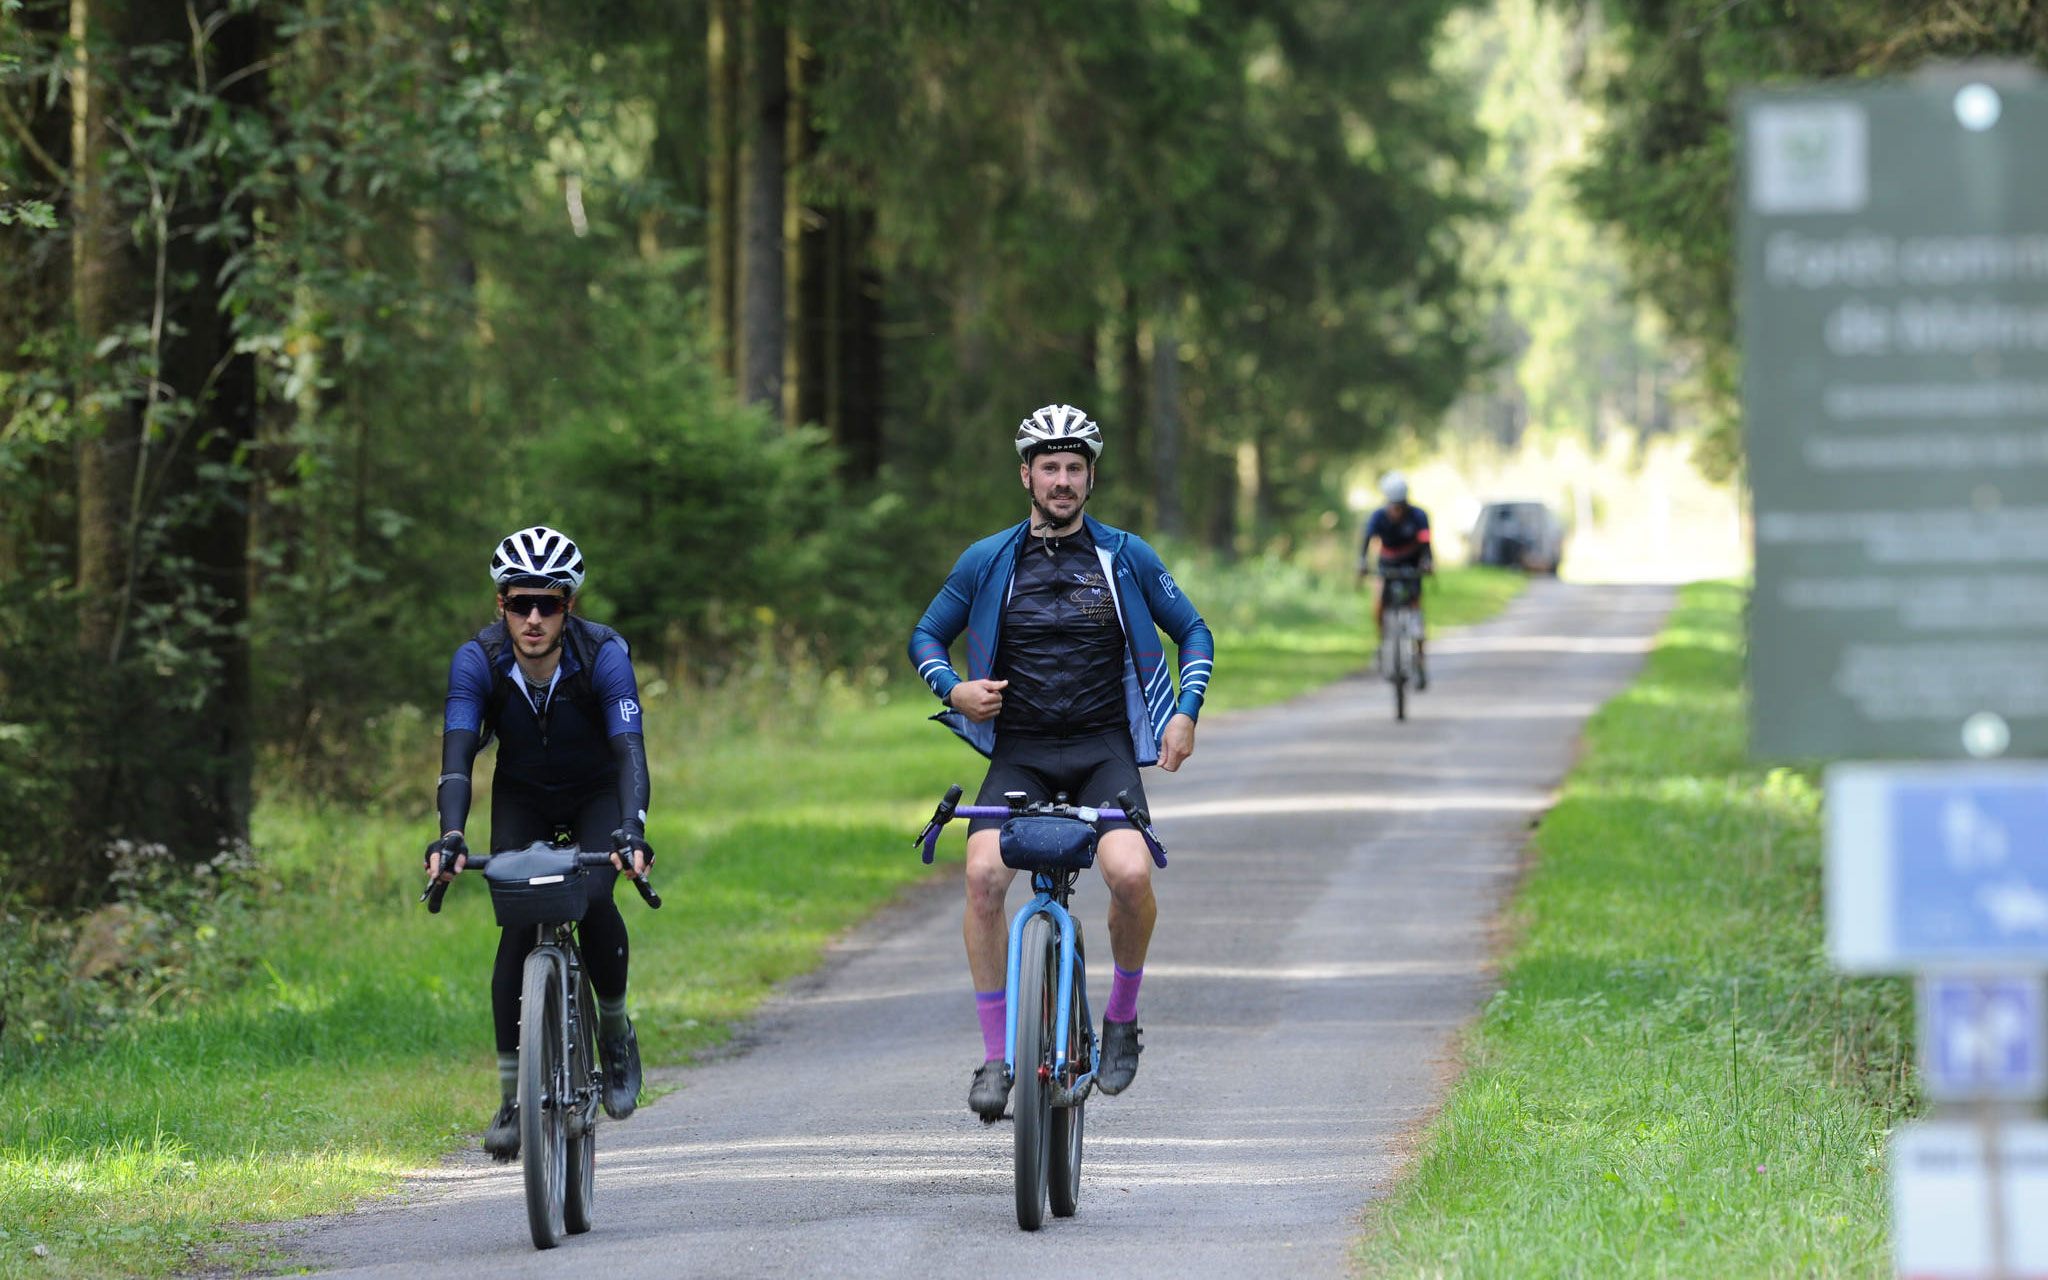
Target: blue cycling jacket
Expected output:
[1147,600]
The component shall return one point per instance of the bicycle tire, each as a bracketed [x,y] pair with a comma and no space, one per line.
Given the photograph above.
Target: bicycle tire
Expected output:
[542,1142]
[1063,1159]
[579,1203]
[1397,666]
[1036,974]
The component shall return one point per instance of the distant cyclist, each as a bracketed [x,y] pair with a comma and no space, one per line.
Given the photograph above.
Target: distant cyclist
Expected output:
[1402,530]
[558,693]
[1067,690]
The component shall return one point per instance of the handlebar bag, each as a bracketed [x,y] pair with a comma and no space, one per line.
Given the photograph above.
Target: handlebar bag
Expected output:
[1043,842]
[539,884]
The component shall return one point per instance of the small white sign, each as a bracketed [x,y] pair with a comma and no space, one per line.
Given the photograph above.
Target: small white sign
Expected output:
[1808,157]
[1941,1201]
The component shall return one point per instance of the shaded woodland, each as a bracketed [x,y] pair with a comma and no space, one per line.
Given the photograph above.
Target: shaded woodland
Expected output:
[308,301]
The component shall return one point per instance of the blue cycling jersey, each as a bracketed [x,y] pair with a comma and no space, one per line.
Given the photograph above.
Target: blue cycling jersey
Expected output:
[544,739]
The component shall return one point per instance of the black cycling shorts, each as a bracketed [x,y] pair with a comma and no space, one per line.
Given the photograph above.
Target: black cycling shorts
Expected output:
[1091,770]
[521,815]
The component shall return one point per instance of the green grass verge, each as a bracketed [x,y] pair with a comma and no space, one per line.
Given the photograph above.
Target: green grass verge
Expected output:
[1671,1081]
[360,1046]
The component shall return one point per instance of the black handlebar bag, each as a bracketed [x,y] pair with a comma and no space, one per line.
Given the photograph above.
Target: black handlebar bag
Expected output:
[1042,842]
[539,884]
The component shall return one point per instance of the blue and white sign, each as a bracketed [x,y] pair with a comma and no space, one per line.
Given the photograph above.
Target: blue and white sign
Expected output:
[1983,1038]
[1932,866]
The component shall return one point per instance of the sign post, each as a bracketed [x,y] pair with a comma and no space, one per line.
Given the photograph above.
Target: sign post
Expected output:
[1893,246]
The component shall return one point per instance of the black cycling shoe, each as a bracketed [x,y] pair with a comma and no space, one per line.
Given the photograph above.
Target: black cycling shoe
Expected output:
[621,1058]
[501,1140]
[1120,1050]
[1421,678]
[990,1092]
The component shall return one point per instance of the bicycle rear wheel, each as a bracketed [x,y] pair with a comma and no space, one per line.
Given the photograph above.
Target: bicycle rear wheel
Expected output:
[542,1075]
[1037,974]
[1063,1158]
[580,1201]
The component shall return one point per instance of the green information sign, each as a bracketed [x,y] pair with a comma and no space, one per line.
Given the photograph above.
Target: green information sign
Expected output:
[1894,321]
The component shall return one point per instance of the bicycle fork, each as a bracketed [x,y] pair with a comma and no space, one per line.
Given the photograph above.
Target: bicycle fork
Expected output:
[577,1100]
[1069,990]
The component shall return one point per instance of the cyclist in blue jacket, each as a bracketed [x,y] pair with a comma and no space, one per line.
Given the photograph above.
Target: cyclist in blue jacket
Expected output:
[558,694]
[1067,689]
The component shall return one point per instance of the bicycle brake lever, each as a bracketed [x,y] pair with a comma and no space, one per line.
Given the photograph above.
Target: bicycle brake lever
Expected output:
[437,888]
[1143,822]
[928,838]
[646,888]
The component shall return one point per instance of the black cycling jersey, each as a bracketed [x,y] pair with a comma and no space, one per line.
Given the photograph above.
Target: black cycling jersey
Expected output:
[1403,539]
[1062,646]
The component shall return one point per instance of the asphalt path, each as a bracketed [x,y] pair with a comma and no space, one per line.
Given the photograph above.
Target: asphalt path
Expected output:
[1325,929]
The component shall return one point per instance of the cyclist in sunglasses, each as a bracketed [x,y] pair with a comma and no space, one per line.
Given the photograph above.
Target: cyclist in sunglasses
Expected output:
[558,694]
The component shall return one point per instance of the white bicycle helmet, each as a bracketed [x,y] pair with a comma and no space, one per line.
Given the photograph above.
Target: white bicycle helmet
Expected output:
[1058,427]
[538,557]
[1394,487]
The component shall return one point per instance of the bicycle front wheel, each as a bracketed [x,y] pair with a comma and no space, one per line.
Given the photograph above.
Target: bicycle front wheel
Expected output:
[1037,978]
[543,1076]
[580,1202]
[1063,1157]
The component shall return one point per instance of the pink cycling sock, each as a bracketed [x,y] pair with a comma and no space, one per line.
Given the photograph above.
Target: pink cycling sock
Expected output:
[1123,994]
[992,1006]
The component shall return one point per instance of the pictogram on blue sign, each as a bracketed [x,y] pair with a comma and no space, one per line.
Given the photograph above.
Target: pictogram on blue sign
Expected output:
[1973,867]
[1982,1038]
[1937,865]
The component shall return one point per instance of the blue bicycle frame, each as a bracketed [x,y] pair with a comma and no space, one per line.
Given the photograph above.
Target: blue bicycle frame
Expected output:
[1051,888]
[1073,986]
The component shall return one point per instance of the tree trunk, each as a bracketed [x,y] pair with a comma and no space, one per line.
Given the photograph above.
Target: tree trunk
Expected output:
[721,222]
[856,376]
[1165,420]
[209,540]
[804,336]
[37,286]
[1251,496]
[1219,524]
[173,767]
[109,427]
[832,372]
[761,317]
[1130,407]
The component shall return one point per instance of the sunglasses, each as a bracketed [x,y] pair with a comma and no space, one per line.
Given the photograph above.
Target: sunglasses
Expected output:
[520,606]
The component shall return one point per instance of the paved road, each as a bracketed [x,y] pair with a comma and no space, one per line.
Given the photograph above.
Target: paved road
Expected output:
[1324,933]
